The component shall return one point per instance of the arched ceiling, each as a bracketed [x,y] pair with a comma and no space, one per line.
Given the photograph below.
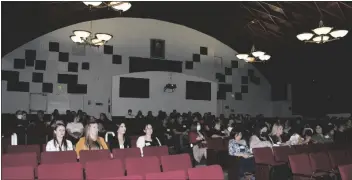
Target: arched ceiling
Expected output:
[271,26]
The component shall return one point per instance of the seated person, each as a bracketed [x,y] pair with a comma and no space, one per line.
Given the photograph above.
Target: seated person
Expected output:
[129,114]
[59,143]
[319,137]
[308,133]
[180,132]
[148,139]
[238,147]
[260,138]
[216,131]
[197,139]
[91,140]
[75,129]
[120,141]
[276,134]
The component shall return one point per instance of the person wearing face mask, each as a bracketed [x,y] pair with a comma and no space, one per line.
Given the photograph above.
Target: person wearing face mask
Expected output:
[260,138]
[217,131]
[59,142]
[21,126]
[197,140]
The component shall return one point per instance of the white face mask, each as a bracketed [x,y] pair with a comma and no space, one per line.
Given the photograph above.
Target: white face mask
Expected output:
[198,127]
[229,129]
[19,116]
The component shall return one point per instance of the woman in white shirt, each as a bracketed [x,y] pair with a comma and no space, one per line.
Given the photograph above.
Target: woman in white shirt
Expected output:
[148,139]
[59,142]
[260,138]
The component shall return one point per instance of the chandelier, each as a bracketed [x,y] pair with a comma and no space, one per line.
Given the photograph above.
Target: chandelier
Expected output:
[254,56]
[115,5]
[322,34]
[83,37]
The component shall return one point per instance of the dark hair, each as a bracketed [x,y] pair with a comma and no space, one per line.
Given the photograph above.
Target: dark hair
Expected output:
[258,127]
[104,115]
[64,143]
[235,131]
[130,110]
[119,124]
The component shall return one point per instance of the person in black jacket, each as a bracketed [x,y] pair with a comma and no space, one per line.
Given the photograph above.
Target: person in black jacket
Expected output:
[120,140]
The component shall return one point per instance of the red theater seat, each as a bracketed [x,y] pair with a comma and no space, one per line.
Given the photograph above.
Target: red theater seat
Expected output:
[104,169]
[64,171]
[132,177]
[142,165]
[338,157]
[156,151]
[20,159]
[281,153]
[172,175]
[213,172]
[301,168]
[23,149]
[58,157]
[126,153]
[320,161]
[176,162]
[346,172]
[94,155]
[18,173]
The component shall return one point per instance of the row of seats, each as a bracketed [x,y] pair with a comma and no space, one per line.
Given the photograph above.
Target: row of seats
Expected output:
[137,168]
[70,156]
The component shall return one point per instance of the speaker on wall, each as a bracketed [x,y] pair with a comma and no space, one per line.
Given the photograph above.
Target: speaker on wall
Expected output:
[157,48]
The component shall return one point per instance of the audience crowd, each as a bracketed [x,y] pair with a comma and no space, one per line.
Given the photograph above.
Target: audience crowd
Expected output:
[180,132]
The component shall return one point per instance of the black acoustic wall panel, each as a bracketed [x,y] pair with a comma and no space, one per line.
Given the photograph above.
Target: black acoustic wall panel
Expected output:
[221,95]
[157,48]
[203,50]
[30,54]
[134,87]
[40,65]
[72,67]
[189,65]
[244,89]
[63,57]
[225,87]
[108,49]
[244,80]
[47,88]
[250,72]
[10,76]
[85,65]
[138,64]
[234,64]
[19,64]
[77,88]
[228,71]
[37,77]
[238,96]
[198,90]
[220,77]
[116,59]
[54,47]
[30,62]
[196,57]
[18,86]
[67,78]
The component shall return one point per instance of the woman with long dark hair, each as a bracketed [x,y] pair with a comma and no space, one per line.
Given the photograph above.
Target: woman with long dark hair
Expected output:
[59,142]
[120,140]
[91,140]
[148,139]
[260,137]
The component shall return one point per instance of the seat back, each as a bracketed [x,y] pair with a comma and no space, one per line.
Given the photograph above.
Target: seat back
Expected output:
[156,151]
[67,171]
[58,157]
[94,155]
[213,172]
[320,161]
[20,159]
[263,155]
[172,175]
[20,173]
[126,153]
[24,148]
[132,177]
[346,172]
[302,149]
[281,153]
[338,157]
[216,144]
[104,169]
[176,162]
[142,165]
[300,164]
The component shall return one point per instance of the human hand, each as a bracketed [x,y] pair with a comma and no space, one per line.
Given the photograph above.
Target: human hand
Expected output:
[245,156]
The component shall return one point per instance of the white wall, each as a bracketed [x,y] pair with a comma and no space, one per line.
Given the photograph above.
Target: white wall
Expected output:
[132,38]
[160,100]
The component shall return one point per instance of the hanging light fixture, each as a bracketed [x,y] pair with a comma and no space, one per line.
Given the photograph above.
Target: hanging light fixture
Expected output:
[322,34]
[84,37]
[115,5]
[254,56]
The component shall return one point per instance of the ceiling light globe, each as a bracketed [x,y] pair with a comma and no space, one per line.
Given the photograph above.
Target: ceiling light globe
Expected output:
[103,36]
[258,53]
[76,39]
[304,36]
[249,59]
[321,39]
[339,33]
[92,3]
[322,30]
[120,6]
[242,56]
[82,34]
